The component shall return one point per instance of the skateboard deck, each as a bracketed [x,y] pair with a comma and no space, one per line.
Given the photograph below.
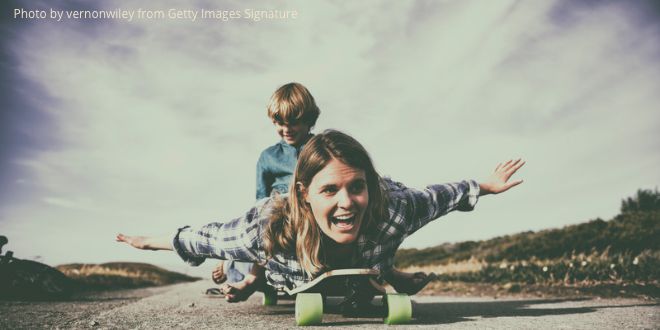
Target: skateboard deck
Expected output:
[327,281]
[357,287]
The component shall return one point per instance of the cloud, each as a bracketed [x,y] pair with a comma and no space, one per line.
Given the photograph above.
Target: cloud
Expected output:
[81,204]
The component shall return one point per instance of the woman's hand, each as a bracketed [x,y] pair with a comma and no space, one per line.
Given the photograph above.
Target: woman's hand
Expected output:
[145,242]
[499,181]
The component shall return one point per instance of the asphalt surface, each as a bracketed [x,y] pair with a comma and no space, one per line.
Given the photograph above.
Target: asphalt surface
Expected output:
[186,306]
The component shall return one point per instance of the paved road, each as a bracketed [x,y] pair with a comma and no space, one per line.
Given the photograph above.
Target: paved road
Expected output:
[184,306]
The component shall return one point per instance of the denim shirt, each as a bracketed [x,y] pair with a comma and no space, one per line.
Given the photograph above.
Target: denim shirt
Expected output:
[275,168]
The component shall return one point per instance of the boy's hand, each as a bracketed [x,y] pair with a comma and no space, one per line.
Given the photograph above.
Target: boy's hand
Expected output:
[499,181]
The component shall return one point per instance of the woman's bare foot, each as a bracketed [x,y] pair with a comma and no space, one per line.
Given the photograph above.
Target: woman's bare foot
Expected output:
[218,274]
[409,283]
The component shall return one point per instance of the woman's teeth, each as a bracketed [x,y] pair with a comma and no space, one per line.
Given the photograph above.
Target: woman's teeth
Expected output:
[343,220]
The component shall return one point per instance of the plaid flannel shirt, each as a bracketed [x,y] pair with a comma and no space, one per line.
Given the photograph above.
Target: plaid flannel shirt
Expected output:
[241,238]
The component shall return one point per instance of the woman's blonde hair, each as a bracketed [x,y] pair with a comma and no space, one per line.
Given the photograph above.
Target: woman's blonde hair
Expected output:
[292,226]
[293,103]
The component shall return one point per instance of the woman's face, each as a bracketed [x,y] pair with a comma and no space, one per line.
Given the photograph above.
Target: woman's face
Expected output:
[338,197]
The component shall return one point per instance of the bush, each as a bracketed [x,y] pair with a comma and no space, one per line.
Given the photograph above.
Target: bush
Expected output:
[645,200]
[625,249]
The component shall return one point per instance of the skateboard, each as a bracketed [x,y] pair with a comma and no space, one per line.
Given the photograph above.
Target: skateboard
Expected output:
[357,288]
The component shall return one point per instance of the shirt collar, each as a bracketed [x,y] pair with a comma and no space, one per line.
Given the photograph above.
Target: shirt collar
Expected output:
[298,148]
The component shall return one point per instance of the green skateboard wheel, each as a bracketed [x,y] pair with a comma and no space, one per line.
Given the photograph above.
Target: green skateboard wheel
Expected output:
[399,308]
[270,298]
[309,308]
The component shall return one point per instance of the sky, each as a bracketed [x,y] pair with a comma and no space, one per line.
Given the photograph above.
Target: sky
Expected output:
[141,126]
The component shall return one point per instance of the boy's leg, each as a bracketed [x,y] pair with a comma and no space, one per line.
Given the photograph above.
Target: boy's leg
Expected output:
[232,271]
[238,270]
[229,270]
[409,283]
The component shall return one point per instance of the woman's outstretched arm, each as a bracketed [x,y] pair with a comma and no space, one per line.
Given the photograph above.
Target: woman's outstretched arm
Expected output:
[422,206]
[237,239]
[146,242]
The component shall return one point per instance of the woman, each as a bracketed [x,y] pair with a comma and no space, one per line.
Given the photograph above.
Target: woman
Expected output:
[339,213]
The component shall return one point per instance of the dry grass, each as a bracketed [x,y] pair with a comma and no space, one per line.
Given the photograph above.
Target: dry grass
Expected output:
[121,275]
[599,274]
[472,265]
[92,269]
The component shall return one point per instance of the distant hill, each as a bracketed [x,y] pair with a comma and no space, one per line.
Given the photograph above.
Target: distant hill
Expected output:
[635,230]
[120,275]
[623,251]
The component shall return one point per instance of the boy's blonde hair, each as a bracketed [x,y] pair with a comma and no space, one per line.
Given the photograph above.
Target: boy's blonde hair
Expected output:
[293,103]
[292,226]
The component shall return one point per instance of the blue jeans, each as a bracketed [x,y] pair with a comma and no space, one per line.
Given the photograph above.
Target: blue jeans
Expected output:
[236,270]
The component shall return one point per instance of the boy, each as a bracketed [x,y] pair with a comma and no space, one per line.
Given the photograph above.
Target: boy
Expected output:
[293,111]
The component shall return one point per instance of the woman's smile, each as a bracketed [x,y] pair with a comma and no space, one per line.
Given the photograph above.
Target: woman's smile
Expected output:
[344,222]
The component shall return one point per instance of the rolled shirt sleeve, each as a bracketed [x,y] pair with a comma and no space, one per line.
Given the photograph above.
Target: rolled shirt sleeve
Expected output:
[262,180]
[183,244]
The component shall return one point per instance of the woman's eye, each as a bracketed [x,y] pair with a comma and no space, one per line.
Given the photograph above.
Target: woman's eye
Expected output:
[329,190]
[357,188]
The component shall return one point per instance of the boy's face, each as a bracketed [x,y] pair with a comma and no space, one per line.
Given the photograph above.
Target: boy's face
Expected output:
[292,133]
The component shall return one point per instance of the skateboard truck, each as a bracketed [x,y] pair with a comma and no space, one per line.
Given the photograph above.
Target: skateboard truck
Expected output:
[358,300]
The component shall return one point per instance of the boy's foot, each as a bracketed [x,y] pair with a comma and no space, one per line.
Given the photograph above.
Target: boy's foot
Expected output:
[409,283]
[218,274]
